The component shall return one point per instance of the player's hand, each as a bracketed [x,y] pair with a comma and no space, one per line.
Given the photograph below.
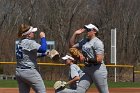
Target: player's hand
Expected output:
[82,58]
[42,34]
[78,32]
[65,83]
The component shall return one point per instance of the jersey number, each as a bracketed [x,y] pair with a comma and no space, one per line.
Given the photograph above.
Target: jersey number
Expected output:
[19,54]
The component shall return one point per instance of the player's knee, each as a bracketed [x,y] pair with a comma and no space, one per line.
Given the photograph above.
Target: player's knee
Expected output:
[103,89]
[81,89]
[41,91]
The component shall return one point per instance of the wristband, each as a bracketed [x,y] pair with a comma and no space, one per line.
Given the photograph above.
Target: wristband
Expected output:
[92,60]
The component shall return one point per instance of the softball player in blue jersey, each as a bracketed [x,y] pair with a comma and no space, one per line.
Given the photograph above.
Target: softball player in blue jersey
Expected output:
[93,51]
[26,56]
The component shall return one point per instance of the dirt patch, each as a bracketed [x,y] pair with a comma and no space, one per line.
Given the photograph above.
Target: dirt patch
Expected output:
[91,90]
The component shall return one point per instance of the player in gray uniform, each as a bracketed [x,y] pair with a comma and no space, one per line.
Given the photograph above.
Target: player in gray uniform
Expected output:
[95,70]
[26,55]
[74,73]
[93,51]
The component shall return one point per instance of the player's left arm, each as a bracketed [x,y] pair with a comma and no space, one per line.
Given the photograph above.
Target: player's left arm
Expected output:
[99,52]
[74,75]
[43,47]
[99,57]
[76,78]
[42,54]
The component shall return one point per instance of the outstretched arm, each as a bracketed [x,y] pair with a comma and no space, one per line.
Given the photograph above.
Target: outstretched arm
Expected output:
[42,54]
[73,38]
[76,78]
[43,47]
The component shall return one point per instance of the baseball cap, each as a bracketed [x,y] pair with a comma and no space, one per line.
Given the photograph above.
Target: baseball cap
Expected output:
[90,27]
[30,30]
[67,57]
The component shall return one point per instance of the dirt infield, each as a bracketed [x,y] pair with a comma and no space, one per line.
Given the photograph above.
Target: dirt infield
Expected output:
[92,90]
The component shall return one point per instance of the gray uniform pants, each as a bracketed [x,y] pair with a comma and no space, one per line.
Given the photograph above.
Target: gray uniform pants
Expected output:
[94,74]
[28,78]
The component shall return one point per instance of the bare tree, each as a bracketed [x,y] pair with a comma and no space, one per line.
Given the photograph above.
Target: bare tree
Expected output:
[60,18]
[123,15]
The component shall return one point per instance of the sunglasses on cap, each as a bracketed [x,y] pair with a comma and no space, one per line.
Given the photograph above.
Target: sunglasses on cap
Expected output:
[87,29]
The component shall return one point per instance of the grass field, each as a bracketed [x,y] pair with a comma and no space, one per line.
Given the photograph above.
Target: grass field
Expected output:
[13,84]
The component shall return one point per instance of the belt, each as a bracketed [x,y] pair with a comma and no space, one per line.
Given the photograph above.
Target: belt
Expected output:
[24,67]
[90,64]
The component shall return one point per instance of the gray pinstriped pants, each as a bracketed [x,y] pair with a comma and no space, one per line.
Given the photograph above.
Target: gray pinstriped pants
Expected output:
[94,74]
[28,78]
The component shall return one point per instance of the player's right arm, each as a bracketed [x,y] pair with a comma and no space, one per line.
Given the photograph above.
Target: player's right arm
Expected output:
[73,38]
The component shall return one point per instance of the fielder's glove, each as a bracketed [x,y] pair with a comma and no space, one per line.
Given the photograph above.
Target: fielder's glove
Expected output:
[89,61]
[59,85]
[53,54]
[76,54]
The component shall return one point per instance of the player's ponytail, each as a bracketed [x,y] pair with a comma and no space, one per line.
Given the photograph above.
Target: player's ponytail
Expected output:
[22,29]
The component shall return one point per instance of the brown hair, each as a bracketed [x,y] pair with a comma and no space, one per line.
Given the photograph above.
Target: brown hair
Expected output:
[22,28]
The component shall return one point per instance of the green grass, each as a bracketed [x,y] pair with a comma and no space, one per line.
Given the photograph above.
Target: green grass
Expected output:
[13,84]
[8,83]
[124,84]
